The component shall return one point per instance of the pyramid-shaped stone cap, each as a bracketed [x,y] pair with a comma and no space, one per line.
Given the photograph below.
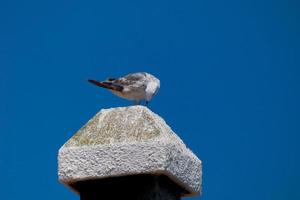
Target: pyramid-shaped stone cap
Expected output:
[128,141]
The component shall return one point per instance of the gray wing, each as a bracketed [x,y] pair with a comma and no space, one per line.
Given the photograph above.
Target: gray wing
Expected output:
[133,80]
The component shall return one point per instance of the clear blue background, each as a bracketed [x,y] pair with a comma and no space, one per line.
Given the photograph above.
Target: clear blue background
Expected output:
[229,75]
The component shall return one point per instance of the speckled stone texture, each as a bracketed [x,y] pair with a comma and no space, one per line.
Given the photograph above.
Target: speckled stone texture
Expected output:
[126,141]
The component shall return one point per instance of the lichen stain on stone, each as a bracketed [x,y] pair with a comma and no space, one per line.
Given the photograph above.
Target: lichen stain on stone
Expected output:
[117,125]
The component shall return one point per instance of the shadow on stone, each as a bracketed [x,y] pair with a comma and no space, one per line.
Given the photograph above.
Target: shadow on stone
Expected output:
[142,187]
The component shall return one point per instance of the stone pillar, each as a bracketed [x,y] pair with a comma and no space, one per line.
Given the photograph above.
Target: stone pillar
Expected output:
[128,153]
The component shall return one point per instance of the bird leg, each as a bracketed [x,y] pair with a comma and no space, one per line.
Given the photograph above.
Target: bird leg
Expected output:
[137,102]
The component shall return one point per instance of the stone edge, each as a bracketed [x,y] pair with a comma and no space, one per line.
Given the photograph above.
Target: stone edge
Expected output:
[97,162]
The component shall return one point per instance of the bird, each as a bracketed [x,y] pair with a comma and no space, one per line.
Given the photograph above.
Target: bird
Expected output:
[135,86]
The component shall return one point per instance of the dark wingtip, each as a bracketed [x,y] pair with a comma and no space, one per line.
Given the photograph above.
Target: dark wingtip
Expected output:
[93,81]
[100,84]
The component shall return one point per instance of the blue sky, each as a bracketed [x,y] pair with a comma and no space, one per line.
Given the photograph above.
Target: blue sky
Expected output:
[229,74]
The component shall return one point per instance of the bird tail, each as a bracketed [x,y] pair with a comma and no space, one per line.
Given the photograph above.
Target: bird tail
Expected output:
[107,85]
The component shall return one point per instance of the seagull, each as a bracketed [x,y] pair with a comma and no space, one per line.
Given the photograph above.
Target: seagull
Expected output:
[136,86]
